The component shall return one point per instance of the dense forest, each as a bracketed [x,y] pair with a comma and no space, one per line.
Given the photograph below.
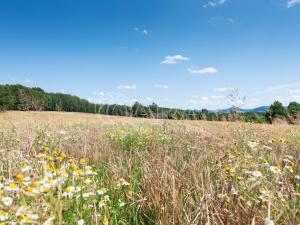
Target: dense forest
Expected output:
[18,97]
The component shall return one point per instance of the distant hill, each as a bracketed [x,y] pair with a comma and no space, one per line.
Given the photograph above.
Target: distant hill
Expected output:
[261,109]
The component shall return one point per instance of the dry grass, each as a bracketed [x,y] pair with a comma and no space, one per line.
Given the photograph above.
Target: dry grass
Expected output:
[181,172]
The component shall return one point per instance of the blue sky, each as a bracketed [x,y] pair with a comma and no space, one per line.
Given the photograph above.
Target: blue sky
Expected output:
[178,53]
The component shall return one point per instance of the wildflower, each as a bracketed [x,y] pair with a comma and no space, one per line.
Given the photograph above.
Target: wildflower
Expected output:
[26,181]
[101,204]
[123,182]
[268,221]
[89,172]
[7,201]
[266,163]
[289,168]
[78,173]
[33,216]
[82,161]
[3,216]
[19,176]
[121,204]
[69,192]
[252,144]
[102,191]
[105,221]
[49,221]
[73,166]
[106,198]
[80,222]
[256,174]
[49,183]
[12,187]
[88,181]
[25,168]
[129,193]
[289,157]
[275,169]
[88,194]
[33,190]
[234,192]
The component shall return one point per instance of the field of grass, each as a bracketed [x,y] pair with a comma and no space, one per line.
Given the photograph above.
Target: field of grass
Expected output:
[72,168]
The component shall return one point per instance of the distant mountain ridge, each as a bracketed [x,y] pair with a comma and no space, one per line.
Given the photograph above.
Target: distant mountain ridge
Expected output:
[261,109]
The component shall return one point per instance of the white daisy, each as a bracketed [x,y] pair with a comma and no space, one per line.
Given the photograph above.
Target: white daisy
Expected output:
[7,201]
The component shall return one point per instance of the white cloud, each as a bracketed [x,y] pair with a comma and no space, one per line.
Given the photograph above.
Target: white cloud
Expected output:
[215,97]
[294,98]
[126,87]
[28,81]
[141,31]
[230,20]
[164,86]
[202,102]
[111,98]
[292,3]
[254,99]
[286,99]
[224,89]
[207,70]
[222,19]
[282,87]
[174,59]
[214,3]
[149,99]
[297,91]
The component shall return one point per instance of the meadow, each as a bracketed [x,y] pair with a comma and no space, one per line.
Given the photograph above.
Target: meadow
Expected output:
[76,168]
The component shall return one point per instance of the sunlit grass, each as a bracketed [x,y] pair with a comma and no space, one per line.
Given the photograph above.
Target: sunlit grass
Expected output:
[101,170]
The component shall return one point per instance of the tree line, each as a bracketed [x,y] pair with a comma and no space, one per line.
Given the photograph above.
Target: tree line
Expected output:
[18,97]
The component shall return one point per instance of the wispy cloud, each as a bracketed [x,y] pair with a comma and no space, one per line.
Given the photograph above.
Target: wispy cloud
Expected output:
[149,99]
[287,98]
[111,98]
[141,31]
[163,86]
[175,59]
[292,3]
[224,89]
[254,100]
[222,19]
[214,3]
[27,81]
[207,70]
[297,91]
[202,102]
[215,97]
[126,87]
[294,98]
[282,87]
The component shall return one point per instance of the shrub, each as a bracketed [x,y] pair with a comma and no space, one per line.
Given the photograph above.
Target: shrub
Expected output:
[276,110]
[294,109]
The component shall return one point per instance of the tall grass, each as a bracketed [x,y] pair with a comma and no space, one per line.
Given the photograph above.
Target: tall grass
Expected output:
[187,172]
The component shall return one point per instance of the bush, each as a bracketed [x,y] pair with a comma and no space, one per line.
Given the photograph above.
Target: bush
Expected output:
[276,110]
[294,109]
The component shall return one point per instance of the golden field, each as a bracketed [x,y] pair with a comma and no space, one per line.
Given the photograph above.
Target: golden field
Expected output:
[75,168]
